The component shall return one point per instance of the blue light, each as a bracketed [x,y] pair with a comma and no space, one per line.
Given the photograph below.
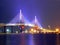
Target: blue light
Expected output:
[7,30]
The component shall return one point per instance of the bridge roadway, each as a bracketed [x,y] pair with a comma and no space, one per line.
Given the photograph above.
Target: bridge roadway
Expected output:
[41,30]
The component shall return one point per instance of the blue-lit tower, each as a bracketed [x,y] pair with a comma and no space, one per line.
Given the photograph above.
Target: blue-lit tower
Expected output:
[21,21]
[21,17]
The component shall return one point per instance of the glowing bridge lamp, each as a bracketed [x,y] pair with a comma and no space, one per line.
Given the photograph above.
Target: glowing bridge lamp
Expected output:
[35,31]
[57,30]
[8,31]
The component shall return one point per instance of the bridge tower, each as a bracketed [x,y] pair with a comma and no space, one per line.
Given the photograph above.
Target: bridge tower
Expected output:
[21,21]
[21,17]
[35,22]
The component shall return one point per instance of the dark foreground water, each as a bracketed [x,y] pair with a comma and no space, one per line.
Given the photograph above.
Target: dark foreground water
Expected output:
[29,39]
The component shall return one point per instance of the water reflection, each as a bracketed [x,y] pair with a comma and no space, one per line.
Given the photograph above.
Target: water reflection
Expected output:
[30,39]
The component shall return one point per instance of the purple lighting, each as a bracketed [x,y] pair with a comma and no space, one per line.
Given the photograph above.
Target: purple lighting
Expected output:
[15,19]
[22,18]
[35,19]
[36,22]
[21,15]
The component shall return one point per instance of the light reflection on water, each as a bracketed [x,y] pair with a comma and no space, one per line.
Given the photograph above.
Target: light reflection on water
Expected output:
[30,39]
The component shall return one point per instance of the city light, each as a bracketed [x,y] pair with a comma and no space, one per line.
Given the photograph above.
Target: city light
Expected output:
[8,31]
[23,31]
[26,31]
[57,30]
[16,31]
[35,31]
[41,28]
[32,30]
[22,26]
[30,25]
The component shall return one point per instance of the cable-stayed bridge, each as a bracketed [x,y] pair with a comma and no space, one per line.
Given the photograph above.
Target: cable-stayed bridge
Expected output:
[20,23]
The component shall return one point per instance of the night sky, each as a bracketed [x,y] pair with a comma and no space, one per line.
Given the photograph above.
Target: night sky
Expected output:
[47,11]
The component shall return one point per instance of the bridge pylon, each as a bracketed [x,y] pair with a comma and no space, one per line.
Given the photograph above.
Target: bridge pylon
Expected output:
[21,17]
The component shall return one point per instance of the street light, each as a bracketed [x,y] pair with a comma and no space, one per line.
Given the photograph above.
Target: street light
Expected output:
[57,30]
[34,31]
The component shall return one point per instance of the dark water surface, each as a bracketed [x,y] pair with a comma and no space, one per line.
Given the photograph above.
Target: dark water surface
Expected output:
[29,39]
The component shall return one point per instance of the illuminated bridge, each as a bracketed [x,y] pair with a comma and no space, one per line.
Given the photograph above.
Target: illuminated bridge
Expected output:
[21,26]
